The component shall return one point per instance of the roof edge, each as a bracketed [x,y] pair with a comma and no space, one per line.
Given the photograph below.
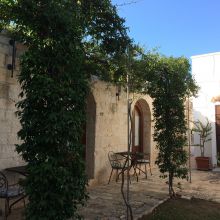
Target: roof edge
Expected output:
[205,55]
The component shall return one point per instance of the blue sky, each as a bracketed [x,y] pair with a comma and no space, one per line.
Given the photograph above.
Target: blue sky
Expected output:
[176,27]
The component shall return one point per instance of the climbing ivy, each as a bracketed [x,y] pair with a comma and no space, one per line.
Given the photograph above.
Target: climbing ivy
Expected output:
[54,79]
[67,41]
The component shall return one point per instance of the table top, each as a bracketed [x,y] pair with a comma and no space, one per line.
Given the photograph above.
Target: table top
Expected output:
[18,169]
[125,153]
[134,156]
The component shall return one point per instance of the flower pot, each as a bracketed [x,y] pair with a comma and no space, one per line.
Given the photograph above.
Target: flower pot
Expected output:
[203,163]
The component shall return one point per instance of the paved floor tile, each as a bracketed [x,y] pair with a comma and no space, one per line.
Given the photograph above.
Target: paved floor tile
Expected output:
[106,201]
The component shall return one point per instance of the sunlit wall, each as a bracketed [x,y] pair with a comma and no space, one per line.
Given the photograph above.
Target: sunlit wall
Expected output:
[206,71]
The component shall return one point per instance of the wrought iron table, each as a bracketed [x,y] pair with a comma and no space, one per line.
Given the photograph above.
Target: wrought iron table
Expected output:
[134,159]
[19,169]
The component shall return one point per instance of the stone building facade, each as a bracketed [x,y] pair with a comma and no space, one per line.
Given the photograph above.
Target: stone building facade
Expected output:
[9,90]
[105,130]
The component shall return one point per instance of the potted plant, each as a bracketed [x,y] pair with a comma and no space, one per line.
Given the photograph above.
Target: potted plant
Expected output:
[204,130]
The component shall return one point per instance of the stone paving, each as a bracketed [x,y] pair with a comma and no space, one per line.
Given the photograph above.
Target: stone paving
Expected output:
[106,202]
[205,185]
[146,194]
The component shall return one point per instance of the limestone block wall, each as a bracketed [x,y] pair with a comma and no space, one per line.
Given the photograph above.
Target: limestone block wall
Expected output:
[106,127]
[9,90]
[111,128]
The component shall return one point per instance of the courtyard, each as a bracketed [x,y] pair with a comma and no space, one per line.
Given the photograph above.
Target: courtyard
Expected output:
[105,202]
[80,79]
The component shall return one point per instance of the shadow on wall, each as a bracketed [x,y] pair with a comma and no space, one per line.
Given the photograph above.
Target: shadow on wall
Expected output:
[90,135]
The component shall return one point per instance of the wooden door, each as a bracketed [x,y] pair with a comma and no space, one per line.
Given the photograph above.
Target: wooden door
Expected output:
[217,125]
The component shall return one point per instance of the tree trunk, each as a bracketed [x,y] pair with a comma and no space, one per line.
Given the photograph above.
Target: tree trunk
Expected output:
[171,190]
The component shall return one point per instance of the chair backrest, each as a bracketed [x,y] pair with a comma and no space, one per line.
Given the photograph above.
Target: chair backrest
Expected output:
[3,182]
[116,160]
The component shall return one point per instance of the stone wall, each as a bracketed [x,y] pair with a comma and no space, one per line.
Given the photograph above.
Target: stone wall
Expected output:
[110,130]
[106,127]
[9,90]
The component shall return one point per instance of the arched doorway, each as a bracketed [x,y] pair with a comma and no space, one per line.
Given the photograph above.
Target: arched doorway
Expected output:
[141,128]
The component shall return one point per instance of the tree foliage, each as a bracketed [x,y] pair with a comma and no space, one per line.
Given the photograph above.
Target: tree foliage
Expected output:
[169,82]
[67,41]
[169,88]
[61,36]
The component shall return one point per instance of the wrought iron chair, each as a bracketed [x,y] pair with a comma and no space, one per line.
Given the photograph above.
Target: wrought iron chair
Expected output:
[10,192]
[142,159]
[118,163]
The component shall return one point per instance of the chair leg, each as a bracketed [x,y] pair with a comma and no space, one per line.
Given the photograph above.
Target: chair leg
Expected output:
[135,172]
[110,177]
[7,210]
[145,166]
[150,169]
[24,202]
[117,177]
[18,200]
